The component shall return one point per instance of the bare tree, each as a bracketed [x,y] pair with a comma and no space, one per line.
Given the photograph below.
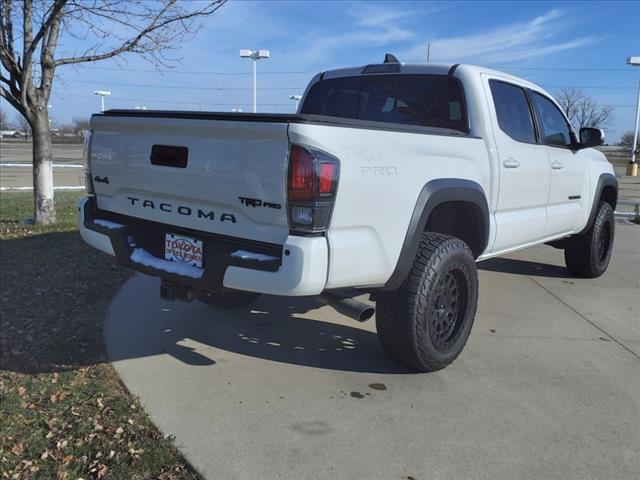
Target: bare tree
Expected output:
[582,110]
[80,123]
[23,125]
[627,139]
[31,33]
[4,119]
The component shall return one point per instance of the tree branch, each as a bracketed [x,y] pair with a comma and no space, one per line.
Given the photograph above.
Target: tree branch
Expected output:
[56,12]
[7,53]
[27,35]
[158,22]
[14,102]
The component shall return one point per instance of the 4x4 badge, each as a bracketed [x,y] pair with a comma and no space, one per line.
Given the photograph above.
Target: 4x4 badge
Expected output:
[100,179]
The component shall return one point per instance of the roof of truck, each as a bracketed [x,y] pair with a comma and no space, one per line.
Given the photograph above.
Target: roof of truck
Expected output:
[459,69]
[427,68]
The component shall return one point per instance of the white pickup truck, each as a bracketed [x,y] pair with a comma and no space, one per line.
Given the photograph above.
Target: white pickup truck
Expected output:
[391,179]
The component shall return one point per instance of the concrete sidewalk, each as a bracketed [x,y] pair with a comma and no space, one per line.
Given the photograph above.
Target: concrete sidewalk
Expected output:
[547,387]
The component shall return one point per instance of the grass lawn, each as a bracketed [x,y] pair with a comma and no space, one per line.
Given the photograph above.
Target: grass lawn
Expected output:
[63,411]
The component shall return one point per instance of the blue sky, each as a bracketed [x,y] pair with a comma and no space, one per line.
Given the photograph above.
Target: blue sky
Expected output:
[554,44]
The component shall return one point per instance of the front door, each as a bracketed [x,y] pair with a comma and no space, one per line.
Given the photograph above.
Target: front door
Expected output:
[569,186]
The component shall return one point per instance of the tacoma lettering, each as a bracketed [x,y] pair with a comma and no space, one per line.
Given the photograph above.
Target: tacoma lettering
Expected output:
[181,209]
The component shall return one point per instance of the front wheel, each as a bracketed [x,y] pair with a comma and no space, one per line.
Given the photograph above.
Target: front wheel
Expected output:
[588,255]
[232,299]
[425,323]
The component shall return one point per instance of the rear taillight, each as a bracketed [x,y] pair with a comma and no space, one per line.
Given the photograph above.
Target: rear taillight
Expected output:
[311,189]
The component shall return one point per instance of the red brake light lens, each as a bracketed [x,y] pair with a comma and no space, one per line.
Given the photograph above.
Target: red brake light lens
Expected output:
[301,174]
[326,177]
[311,189]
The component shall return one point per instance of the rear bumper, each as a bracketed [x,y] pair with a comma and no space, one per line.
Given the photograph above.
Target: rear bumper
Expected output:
[296,268]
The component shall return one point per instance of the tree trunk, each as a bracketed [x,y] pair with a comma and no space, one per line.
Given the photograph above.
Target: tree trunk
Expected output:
[44,208]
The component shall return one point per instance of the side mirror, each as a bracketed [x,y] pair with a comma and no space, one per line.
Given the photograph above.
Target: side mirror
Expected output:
[591,137]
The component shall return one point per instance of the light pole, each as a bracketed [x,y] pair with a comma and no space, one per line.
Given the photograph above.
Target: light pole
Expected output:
[296,98]
[255,55]
[632,168]
[102,94]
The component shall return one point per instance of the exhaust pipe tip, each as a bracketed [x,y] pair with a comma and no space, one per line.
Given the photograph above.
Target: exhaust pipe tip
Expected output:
[366,314]
[349,307]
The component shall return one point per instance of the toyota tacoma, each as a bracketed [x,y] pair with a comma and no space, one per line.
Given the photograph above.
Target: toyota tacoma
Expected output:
[390,179]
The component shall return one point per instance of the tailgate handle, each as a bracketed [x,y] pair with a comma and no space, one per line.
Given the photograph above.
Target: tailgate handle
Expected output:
[169,156]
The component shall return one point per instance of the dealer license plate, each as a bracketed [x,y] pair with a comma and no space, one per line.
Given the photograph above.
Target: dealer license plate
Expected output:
[187,250]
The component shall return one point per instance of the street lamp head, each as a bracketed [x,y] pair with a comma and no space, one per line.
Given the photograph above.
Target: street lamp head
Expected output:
[255,54]
[102,93]
[633,61]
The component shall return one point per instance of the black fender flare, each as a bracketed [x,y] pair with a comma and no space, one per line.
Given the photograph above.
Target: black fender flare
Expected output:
[433,194]
[604,180]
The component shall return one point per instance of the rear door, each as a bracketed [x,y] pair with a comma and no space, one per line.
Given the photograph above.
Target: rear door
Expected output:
[221,176]
[524,168]
[569,186]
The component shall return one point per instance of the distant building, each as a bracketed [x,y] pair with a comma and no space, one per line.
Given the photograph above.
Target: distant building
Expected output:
[11,134]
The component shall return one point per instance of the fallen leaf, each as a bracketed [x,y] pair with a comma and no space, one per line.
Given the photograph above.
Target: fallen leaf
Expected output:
[17,449]
[102,471]
[22,392]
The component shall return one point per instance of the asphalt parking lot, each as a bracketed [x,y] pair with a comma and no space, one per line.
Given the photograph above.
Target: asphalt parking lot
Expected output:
[16,172]
[547,387]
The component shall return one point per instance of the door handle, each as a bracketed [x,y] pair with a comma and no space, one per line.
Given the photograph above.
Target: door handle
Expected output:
[511,163]
[557,166]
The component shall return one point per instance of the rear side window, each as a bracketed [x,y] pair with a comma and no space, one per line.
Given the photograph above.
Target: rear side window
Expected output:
[420,100]
[512,110]
[554,127]
[337,97]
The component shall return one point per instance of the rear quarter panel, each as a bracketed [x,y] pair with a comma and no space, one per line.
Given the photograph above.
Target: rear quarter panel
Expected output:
[381,175]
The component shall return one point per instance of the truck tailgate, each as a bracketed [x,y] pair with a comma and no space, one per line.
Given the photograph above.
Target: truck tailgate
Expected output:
[221,175]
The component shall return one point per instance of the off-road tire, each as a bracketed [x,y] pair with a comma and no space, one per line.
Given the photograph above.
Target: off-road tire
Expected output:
[588,255]
[235,299]
[413,328]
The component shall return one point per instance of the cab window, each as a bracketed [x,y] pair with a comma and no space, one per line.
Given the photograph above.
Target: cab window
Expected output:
[554,128]
[512,110]
[435,101]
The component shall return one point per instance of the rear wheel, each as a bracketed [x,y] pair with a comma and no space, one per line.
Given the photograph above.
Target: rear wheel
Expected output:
[235,299]
[588,255]
[425,323]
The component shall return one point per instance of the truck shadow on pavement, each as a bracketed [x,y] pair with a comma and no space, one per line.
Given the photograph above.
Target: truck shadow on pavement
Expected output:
[524,267]
[270,329]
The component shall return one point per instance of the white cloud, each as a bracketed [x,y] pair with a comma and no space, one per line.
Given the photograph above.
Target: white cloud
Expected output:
[507,43]
[374,26]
